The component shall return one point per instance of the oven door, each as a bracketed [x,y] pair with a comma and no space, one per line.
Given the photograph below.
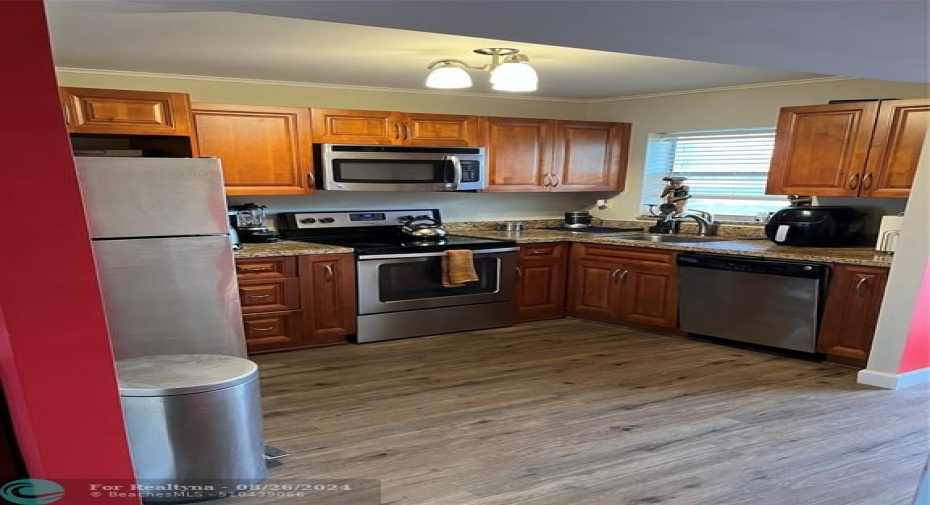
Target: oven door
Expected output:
[399,282]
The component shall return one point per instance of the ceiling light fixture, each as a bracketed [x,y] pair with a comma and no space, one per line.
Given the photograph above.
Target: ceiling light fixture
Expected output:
[510,71]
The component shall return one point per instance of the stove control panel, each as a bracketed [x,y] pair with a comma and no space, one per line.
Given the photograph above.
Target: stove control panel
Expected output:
[350,219]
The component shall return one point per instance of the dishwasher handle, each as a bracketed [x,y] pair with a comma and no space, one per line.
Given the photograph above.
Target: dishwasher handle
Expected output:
[784,268]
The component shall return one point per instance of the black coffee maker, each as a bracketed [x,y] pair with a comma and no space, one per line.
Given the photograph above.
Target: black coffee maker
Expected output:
[249,221]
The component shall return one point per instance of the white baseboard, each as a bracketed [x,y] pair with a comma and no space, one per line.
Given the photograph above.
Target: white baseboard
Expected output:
[894,380]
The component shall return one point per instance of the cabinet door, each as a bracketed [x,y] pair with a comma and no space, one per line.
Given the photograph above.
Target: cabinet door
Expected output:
[593,289]
[328,294]
[121,112]
[264,150]
[519,154]
[649,295]
[342,126]
[589,156]
[821,150]
[439,130]
[896,145]
[540,290]
[851,313]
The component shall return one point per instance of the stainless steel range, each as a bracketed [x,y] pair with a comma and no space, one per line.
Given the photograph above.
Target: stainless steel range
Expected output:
[400,289]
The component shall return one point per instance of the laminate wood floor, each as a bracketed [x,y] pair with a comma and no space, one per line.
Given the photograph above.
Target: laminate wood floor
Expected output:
[572,412]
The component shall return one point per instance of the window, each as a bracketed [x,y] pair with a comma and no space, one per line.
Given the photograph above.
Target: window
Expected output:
[726,169]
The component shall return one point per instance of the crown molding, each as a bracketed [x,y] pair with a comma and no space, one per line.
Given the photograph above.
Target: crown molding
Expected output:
[723,88]
[152,75]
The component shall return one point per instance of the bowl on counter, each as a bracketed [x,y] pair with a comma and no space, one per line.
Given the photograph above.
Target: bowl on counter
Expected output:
[512,226]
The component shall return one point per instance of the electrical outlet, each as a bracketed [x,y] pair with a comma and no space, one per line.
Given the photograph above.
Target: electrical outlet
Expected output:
[603,204]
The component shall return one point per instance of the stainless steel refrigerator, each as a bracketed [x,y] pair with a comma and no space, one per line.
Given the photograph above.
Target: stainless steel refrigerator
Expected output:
[166,268]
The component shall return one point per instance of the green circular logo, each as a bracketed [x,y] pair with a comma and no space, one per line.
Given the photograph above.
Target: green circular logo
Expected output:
[32,492]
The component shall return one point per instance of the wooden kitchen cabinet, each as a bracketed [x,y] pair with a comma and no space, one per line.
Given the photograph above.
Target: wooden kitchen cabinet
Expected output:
[623,285]
[264,150]
[540,292]
[293,302]
[123,112]
[850,149]
[542,155]
[851,313]
[589,156]
[343,126]
[327,284]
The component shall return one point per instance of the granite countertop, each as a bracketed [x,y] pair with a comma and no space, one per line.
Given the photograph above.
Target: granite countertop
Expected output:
[287,248]
[750,247]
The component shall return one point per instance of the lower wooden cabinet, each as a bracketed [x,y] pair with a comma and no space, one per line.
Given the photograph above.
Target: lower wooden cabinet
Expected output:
[851,314]
[295,302]
[623,285]
[540,291]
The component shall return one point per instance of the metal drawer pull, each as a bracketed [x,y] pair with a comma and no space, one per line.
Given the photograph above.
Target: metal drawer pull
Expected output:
[540,251]
[263,269]
[329,272]
[854,181]
[859,285]
[257,296]
[867,181]
[264,329]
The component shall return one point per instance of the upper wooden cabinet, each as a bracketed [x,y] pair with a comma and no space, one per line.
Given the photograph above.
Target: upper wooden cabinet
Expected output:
[542,155]
[264,150]
[121,112]
[589,156]
[341,126]
[850,149]
[851,313]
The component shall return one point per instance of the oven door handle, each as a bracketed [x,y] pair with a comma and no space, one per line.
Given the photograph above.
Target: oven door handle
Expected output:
[433,254]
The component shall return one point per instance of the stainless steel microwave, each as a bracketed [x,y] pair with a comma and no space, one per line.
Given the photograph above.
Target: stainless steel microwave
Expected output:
[346,167]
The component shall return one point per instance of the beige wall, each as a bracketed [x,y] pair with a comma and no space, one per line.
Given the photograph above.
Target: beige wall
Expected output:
[734,108]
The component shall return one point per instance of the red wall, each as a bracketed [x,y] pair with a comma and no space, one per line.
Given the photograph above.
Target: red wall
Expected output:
[917,348]
[55,359]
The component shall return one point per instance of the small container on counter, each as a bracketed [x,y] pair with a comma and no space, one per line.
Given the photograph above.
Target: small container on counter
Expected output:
[512,226]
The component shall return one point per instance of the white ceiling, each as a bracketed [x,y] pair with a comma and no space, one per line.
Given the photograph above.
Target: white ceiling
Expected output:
[155,38]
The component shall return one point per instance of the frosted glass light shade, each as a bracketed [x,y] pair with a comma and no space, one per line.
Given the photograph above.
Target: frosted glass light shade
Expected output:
[448,77]
[514,76]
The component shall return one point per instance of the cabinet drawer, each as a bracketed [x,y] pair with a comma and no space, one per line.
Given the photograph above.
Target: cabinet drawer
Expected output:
[273,330]
[624,254]
[269,295]
[266,268]
[547,251]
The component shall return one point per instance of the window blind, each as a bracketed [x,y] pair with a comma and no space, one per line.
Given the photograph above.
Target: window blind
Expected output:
[725,166]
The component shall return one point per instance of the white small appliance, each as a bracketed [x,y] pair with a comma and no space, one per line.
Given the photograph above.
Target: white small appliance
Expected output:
[889,233]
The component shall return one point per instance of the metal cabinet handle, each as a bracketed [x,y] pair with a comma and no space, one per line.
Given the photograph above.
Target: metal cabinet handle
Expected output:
[859,285]
[556,180]
[311,180]
[260,297]
[519,272]
[67,111]
[547,180]
[329,272]
[540,251]
[406,131]
[262,269]
[613,275]
[397,131]
[623,276]
[853,182]
[264,329]
[867,181]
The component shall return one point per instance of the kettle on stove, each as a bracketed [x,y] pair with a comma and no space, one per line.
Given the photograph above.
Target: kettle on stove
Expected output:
[423,227]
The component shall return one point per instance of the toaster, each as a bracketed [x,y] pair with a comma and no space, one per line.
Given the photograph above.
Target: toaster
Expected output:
[888,233]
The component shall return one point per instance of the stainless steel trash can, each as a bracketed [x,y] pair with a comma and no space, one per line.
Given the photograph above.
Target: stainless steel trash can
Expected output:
[194,423]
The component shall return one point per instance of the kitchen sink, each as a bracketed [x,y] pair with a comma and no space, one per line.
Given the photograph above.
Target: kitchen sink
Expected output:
[671,238]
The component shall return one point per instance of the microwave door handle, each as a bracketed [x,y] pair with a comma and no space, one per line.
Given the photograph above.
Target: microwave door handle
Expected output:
[456,170]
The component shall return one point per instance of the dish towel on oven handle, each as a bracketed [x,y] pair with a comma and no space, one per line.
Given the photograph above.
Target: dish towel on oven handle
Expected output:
[458,268]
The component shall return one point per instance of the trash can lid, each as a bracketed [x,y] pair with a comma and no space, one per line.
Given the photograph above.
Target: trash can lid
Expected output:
[181,374]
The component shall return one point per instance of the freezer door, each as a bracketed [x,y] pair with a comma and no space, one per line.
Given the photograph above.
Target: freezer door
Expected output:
[170,296]
[153,197]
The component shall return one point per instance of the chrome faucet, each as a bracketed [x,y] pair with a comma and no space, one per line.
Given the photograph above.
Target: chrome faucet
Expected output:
[705,220]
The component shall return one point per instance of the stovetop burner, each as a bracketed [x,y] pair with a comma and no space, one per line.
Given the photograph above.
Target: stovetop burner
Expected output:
[374,232]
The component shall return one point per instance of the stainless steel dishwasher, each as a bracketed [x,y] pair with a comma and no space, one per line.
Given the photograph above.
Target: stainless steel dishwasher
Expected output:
[767,302]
